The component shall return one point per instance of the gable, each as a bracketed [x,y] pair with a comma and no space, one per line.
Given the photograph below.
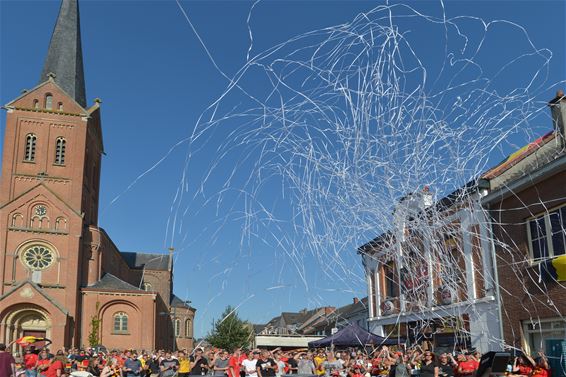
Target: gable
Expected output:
[36,195]
[35,100]
[29,291]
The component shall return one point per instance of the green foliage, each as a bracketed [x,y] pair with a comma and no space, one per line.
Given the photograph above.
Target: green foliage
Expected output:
[93,338]
[230,332]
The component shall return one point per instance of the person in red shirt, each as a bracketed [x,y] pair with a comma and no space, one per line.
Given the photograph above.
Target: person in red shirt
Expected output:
[285,359]
[476,357]
[30,363]
[356,372]
[467,365]
[522,367]
[234,364]
[43,362]
[542,369]
[56,366]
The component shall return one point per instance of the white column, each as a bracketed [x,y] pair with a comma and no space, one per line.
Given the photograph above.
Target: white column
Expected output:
[430,287]
[377,288]
[485,332]
[399,266]
[468,257]
[371,295]
[486,244]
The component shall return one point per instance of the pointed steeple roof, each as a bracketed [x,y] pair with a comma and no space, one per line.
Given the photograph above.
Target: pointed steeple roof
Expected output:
[65,55]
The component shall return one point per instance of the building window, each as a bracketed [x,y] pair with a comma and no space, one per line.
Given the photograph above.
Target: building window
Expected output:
[188,328]
[36,104]
[177,324]
[60,145]
[60,106]
[391,286]
[31,141]
[120,322]
[547,234]
[539,333]
[48,102]
[147,287]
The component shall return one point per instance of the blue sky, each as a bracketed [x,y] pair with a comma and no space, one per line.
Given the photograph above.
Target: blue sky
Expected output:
[155,79]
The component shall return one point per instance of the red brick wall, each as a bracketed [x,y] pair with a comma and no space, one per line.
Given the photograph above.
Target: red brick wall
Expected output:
[141,311]
[523,297]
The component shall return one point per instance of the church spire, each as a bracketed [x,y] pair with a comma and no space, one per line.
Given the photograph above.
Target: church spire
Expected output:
[65,55]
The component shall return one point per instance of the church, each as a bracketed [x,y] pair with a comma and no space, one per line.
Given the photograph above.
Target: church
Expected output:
[62,277]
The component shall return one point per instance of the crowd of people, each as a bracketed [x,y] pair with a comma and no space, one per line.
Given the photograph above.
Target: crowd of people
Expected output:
[382,362]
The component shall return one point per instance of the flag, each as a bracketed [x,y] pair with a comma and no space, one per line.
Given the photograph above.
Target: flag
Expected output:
[27,340]
[554,269]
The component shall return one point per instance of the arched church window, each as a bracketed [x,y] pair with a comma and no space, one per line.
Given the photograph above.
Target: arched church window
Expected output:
[60,145]
[188,328]
[36,104]
[147,287]
[177,327]
[60,106]
[48,102]
[120,322]
[61,223]
[17,220]
[31,141]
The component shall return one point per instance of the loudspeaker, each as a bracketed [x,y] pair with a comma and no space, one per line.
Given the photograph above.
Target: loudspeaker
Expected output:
[493,362]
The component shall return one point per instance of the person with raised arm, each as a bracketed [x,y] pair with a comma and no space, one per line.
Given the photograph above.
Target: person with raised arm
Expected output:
[542,369]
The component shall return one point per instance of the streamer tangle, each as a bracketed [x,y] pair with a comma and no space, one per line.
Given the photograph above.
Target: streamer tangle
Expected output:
[383,125]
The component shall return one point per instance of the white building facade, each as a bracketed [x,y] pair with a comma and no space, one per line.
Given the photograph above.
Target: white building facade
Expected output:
[431,279]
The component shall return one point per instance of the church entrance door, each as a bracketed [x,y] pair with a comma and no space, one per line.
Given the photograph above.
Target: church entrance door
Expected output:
[37,334]
[22,322]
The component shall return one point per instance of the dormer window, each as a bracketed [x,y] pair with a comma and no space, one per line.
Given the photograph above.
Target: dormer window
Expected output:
[31,140]
[60,145]
[48,102]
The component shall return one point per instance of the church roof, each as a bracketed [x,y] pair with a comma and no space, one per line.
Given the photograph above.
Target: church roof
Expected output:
[150,261]
[65,55]
[110,282]
[178,303]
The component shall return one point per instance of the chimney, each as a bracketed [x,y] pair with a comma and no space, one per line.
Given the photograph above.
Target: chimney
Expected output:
[558,111]
[356,300]
[170,262]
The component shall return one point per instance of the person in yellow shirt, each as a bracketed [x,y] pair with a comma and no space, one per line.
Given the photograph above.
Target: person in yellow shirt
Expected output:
[318,360]
[184,364]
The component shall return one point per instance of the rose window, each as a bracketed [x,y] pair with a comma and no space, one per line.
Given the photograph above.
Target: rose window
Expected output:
[38,257]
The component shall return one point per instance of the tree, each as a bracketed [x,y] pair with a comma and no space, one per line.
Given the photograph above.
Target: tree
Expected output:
[93,339]
[230,332]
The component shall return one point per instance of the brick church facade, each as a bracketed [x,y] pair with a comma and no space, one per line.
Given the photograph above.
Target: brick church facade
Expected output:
[60,273]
